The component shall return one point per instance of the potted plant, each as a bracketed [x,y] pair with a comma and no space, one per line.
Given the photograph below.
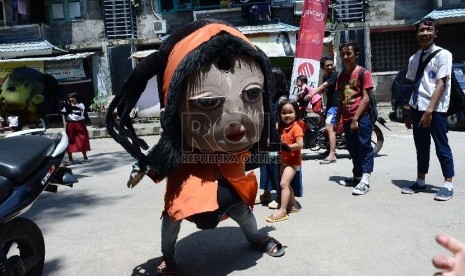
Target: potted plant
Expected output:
[98,112]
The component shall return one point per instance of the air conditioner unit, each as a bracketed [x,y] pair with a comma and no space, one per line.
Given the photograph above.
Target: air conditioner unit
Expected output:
[159,26]
[298,6]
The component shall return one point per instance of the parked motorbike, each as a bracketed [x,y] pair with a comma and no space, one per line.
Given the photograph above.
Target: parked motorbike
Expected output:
[316,137]
[29,165]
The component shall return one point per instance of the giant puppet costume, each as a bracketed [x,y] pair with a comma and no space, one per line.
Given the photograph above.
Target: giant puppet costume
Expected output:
[214,86]
[31,95]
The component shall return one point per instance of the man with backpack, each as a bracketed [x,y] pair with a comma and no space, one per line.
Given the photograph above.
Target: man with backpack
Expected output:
[354,106]
[430,71]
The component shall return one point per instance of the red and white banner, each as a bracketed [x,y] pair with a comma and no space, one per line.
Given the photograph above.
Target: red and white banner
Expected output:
[310,43]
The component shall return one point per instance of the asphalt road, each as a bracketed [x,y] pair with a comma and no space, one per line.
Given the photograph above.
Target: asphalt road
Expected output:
[100,227]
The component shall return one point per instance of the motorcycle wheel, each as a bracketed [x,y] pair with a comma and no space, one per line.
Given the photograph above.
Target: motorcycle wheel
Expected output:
[22,238]
[377,139]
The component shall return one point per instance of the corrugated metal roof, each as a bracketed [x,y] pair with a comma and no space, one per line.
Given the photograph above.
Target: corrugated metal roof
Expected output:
[448,15]
[56,58]
[32,48]
[143,54]
[268,28]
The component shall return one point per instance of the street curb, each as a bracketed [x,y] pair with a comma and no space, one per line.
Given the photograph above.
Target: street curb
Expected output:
[142,129]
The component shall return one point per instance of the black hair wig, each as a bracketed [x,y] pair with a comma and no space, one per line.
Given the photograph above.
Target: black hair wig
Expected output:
[166,154]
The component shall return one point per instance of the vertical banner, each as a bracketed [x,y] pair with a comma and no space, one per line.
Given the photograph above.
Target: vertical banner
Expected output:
[310,43]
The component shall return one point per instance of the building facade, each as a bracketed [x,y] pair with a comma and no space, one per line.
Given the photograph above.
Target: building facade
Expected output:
[100,37]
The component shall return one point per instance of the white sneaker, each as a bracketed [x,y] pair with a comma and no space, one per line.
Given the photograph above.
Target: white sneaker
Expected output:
[361,189]
[273,205]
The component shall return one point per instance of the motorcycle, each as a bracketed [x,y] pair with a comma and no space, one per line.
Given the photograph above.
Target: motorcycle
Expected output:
[29,165]
[316,137]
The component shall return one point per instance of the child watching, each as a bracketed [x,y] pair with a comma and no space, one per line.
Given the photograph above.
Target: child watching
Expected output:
[353,103]
[292,135]
[306,95]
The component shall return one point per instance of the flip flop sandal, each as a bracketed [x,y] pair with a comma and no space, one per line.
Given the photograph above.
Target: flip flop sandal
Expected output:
[269,245]
[327,161]
[169,269]
[293,210]
[271,218]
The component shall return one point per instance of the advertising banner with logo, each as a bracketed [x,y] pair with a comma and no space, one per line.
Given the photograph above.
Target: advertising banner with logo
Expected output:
[310,43]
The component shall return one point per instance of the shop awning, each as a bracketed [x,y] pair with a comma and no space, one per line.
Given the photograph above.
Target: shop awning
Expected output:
[55,58]
[143,54]
[25,49]
[267,28]
[448,16]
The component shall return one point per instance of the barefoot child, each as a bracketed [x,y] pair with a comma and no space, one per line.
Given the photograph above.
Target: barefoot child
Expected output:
[292,135]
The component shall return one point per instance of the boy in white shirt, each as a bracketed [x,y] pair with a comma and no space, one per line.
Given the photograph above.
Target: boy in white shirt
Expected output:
[428,107]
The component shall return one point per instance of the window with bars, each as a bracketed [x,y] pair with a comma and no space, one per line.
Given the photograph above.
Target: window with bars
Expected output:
[65,10]
[390,51]
[348,10]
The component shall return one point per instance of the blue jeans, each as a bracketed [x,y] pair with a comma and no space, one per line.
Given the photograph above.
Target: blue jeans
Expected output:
[239,212]
[359,146]
[422,137]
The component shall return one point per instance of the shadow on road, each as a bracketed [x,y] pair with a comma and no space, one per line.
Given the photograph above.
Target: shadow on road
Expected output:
[103,162]
[210,252]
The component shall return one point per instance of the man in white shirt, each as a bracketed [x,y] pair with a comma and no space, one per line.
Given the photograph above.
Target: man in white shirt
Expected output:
[428,106]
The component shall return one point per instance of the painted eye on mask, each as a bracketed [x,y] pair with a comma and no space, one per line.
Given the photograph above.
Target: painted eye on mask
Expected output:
[11,89]
[207,103]
[252,95]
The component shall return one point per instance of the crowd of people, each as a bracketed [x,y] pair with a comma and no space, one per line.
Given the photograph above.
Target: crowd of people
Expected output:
[347,99]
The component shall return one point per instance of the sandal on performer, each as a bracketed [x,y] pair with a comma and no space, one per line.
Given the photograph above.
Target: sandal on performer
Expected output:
[167,267]
[270,246]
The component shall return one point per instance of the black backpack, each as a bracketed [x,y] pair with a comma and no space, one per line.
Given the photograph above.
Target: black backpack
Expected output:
[457,96]
[372,104]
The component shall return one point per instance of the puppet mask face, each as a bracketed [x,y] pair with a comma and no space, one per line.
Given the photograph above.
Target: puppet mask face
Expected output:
[17,96]
[222,110]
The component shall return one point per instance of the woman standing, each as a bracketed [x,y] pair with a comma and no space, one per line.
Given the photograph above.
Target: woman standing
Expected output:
[76,129]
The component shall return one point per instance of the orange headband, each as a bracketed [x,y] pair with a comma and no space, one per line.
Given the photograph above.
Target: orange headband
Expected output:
[191,42]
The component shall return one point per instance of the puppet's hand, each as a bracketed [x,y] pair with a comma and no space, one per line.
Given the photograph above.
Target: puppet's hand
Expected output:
[136,176]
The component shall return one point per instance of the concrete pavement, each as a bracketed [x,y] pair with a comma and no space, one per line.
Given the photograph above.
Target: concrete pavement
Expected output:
[100,227]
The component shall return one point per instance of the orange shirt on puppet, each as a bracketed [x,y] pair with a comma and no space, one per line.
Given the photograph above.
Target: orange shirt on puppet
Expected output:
[192,188]
[289,136]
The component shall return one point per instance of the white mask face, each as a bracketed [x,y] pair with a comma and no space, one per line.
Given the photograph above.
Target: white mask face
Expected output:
[222,110]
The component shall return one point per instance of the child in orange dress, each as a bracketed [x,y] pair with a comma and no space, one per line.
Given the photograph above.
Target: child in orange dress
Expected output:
[291,162]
